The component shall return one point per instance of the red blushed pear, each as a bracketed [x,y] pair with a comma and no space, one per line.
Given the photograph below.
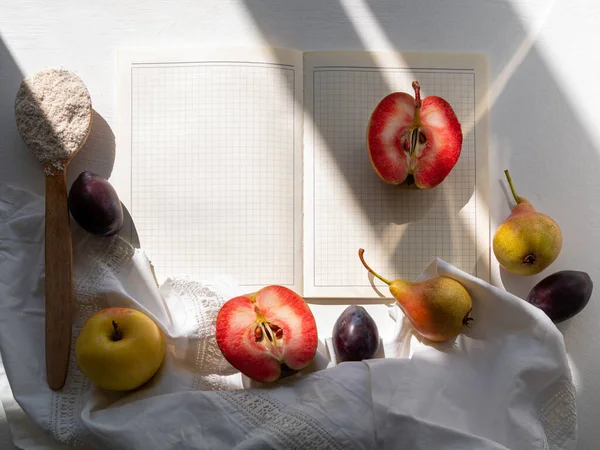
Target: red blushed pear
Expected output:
[437,308]
[414,141]
[267,335]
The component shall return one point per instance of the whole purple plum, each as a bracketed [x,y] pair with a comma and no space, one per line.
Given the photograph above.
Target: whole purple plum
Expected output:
[355,335]
[562,295]
[95,205]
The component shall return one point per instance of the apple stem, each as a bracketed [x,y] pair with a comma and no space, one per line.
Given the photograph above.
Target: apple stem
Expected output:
[118,334]
[512,187]
[362,259]
[468,319]
[417,87]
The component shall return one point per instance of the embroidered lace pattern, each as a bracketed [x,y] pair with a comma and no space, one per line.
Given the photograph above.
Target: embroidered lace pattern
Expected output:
[292,429]
[210,367]
[88,276]
[558,416]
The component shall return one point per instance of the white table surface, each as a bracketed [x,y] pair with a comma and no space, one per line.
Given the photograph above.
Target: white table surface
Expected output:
[544,88]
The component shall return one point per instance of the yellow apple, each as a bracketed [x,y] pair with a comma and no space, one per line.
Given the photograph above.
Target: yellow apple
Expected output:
[119,349]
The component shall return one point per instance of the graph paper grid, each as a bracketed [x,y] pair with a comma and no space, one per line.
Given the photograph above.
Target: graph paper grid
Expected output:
[402,231]
[212,170]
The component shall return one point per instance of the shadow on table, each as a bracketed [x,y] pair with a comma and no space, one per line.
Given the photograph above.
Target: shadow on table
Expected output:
[543,106]
[96,155]
[15,157]
[524,91]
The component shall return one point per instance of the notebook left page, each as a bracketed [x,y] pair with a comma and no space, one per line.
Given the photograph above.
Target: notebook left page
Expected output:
[209,162]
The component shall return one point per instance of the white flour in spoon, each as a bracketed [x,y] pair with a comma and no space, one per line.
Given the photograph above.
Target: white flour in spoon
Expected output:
[53,111]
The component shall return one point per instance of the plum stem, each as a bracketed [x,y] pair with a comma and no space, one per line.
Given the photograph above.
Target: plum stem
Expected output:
[362,259]
[512,187]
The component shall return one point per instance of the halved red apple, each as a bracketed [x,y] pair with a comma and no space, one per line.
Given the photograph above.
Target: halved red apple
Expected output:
[268,334]
[412,140]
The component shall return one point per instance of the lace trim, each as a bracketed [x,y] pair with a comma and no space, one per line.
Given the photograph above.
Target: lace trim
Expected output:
[293,429]
[66,405]
[558,417]
[210,367]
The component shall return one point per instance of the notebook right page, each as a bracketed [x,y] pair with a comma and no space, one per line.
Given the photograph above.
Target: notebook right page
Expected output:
[347,206]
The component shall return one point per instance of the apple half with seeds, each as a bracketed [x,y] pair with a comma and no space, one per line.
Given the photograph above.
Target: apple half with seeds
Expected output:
[414,141]
[267,335]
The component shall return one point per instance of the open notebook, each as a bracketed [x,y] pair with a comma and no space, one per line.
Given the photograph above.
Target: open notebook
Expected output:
[252,164]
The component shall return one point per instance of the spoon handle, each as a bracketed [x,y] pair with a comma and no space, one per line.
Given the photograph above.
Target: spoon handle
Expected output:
[58,279]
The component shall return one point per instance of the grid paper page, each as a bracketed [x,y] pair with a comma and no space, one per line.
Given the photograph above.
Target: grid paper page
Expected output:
[401,230]
[212,170]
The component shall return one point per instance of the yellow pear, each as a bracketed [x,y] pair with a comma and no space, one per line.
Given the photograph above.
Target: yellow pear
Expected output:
[437,308]
[528,241]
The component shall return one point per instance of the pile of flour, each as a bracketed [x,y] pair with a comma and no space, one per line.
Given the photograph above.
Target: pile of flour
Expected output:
[53,111]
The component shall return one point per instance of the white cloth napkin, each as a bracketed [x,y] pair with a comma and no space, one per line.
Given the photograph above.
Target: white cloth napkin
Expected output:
[503,384]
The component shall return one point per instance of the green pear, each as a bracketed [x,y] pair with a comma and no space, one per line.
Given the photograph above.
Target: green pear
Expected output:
[528,241]
[437,308]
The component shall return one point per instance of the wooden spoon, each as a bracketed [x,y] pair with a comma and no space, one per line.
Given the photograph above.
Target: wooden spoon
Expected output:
[58,277]
[51,111]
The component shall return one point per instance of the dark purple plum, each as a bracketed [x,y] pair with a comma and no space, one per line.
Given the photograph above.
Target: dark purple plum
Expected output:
[355,335]
[95,205]
[562,295]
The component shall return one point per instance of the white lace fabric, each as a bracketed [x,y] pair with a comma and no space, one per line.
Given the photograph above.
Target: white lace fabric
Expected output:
[504,384]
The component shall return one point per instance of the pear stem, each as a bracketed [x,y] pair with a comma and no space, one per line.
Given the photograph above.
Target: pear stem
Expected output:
[512,187]
[362,259]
